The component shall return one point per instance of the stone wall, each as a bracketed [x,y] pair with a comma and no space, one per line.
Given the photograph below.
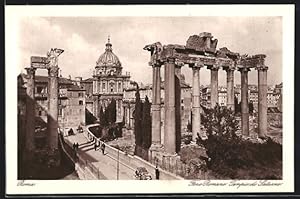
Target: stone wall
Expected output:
[135,161]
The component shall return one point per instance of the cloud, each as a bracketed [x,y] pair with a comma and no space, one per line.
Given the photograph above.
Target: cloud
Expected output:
[84,38]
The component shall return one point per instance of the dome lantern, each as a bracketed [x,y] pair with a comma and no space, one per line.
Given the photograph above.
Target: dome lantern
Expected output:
[108,58]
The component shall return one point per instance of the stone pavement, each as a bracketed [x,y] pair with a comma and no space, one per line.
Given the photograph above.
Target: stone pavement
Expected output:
[107,164]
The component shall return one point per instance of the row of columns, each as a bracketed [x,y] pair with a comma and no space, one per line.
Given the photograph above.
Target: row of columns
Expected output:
[30,115]
[169,101]
[52,115]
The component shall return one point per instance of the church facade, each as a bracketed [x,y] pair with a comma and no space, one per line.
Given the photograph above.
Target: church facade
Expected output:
[108,83]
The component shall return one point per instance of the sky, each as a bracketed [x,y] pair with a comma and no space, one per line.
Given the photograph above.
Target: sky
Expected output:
[84,39]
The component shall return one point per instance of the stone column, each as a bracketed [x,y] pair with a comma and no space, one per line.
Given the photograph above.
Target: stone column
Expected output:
[30,116]
[169,131]
[96,86]
[122,117]
[230,88]
[196,108]
[178,66]
[244,101]
[262,101]
[53,112]
[214,98]
[156,109]
[129,116]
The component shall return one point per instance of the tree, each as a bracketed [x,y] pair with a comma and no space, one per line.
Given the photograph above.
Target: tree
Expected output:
[233,157]
[89,117]
[113,111]
[138,119]
[110,112]
[251,108]
[237,106]
[103,120]
[146,124]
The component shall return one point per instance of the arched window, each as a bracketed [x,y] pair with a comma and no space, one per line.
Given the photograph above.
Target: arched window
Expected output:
[120,87]
[111,84]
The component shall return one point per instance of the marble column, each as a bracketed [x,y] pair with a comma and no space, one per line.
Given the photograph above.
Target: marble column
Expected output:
[129,116]
[30,115]
[196,108]
[126,115]
[53,108]
[230,88]
[244,101]
[169,131]
[262,101]
[214,97]
[178,66]
[96,86]
[156,106]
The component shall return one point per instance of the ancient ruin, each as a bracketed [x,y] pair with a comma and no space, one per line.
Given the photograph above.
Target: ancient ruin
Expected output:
[49,63]
[199,51]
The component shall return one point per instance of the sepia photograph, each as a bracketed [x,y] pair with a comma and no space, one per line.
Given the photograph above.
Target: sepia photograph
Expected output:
[149,99]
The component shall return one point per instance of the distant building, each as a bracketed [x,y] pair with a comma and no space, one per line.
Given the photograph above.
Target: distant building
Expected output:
[71,102]
[146,90]
[278,93]
[107,83]
[273,95]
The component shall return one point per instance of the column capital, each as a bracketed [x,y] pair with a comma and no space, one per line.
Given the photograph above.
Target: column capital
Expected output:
[231,67]
[196,65]
[170,60]
[154,65]
[214,67]
[30,70]
[53,71]
[227,69]
[244,69]
[179,64]
[262,68]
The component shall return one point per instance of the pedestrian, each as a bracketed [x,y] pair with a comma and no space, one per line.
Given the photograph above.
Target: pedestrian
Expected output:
[74,145]
[103,148]
[95,146]
[77,146]
[156,173]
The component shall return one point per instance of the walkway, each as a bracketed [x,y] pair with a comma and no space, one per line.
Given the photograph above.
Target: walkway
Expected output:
[107,164]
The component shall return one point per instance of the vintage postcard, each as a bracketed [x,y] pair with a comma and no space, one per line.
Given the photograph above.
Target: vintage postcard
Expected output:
[149,99]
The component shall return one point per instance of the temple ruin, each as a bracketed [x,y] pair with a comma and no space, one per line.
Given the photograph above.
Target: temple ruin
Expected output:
[200,51]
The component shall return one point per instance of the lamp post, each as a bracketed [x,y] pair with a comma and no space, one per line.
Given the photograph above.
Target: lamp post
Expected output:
[118,164]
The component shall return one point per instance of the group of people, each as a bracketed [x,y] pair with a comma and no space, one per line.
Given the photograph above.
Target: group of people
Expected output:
[102,147]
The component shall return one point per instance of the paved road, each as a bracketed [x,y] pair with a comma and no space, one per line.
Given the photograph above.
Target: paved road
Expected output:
[106,163]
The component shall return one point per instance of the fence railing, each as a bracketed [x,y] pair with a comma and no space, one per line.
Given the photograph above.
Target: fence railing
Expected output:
[64,148]
[84,163]
[130,161]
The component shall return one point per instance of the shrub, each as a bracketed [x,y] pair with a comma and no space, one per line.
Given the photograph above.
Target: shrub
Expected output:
[233,157]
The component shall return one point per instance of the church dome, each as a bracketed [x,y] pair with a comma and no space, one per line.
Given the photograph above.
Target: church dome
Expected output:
[108,58]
